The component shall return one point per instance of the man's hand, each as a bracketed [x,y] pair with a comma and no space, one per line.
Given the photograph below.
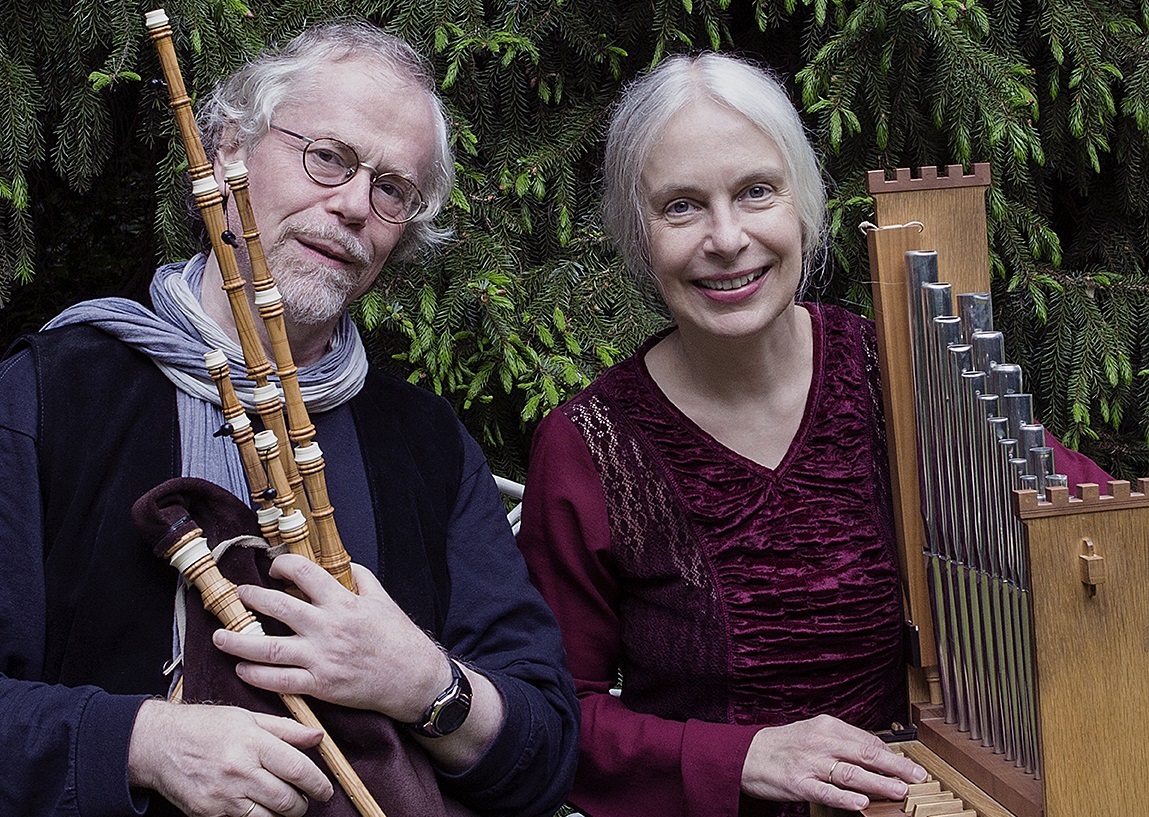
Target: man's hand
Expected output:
[824,760]
[361,651]
[219,760]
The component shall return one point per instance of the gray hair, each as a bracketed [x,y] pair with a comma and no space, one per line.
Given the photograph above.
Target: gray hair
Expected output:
[239,110]
[650,102]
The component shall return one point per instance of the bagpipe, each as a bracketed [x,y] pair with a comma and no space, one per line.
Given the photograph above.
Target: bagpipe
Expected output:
[188,519]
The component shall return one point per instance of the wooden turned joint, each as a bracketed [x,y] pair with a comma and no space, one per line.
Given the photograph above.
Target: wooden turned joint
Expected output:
[1092,566]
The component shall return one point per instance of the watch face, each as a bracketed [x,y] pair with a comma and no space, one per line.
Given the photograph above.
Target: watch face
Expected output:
[452,715]
[450,709]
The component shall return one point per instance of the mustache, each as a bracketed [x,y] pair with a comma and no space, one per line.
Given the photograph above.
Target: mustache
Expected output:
[347,242]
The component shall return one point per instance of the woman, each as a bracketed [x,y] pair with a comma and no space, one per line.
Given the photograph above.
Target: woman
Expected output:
[711,517]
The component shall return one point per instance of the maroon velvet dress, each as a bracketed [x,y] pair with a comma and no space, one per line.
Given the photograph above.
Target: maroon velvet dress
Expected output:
[729,595]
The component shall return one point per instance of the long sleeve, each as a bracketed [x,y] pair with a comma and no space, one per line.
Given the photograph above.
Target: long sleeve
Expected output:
[65,749]
[498,623]
[630,763]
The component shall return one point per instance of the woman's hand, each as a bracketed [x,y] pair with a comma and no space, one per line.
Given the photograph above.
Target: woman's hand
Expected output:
[824,760]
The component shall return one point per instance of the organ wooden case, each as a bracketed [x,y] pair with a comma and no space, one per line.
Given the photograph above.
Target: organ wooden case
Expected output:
[1041,618]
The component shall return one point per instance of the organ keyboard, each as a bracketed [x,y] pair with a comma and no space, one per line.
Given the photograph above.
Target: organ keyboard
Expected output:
[947,793]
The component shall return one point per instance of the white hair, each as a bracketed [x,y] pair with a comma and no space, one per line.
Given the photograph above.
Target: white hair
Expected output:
[650,102]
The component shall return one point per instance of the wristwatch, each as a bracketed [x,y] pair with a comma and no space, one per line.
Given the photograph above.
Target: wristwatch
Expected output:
[450,709]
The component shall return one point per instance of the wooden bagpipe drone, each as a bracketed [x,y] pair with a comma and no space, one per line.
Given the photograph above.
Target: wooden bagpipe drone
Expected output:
[1026,596]
[284,468]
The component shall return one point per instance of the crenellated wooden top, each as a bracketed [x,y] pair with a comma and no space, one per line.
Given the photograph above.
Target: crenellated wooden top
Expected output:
[927,178]
[1089,499]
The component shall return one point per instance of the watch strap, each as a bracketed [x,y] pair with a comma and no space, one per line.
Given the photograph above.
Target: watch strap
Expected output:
[450,708]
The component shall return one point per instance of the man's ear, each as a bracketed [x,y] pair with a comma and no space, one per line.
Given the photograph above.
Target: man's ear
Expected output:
[225,155]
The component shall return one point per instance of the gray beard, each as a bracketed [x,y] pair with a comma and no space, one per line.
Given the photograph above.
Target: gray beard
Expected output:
[313,293]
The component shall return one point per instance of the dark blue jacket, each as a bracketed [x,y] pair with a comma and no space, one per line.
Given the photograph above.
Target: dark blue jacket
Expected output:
[87,425]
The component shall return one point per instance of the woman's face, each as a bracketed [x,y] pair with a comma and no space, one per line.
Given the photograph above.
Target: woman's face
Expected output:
[725,239]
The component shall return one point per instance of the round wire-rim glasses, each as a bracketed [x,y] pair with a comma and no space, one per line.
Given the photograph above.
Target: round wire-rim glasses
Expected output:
[331,163]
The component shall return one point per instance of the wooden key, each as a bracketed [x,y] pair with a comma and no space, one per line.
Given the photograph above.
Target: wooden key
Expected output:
[929,787]
[912,802]
[949,807]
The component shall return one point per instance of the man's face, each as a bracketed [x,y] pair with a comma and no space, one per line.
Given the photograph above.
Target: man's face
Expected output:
[325,245]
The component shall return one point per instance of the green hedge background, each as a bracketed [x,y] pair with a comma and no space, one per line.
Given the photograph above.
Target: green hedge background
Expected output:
[529,301]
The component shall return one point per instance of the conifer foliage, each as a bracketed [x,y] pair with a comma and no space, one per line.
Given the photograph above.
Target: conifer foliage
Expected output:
[529,301]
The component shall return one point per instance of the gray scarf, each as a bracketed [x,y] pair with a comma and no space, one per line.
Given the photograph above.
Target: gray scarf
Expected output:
[176,337]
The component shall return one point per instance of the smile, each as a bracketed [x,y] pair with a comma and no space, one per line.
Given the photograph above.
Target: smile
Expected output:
[732,283]
[326,251]
[333,245]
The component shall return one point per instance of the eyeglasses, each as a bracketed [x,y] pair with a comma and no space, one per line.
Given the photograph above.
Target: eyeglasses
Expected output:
[329,162]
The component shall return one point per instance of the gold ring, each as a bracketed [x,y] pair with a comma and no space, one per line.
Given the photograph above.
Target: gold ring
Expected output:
[829,777]
[251,808]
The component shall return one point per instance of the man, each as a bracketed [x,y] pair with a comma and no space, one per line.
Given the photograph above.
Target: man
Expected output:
[111,400]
